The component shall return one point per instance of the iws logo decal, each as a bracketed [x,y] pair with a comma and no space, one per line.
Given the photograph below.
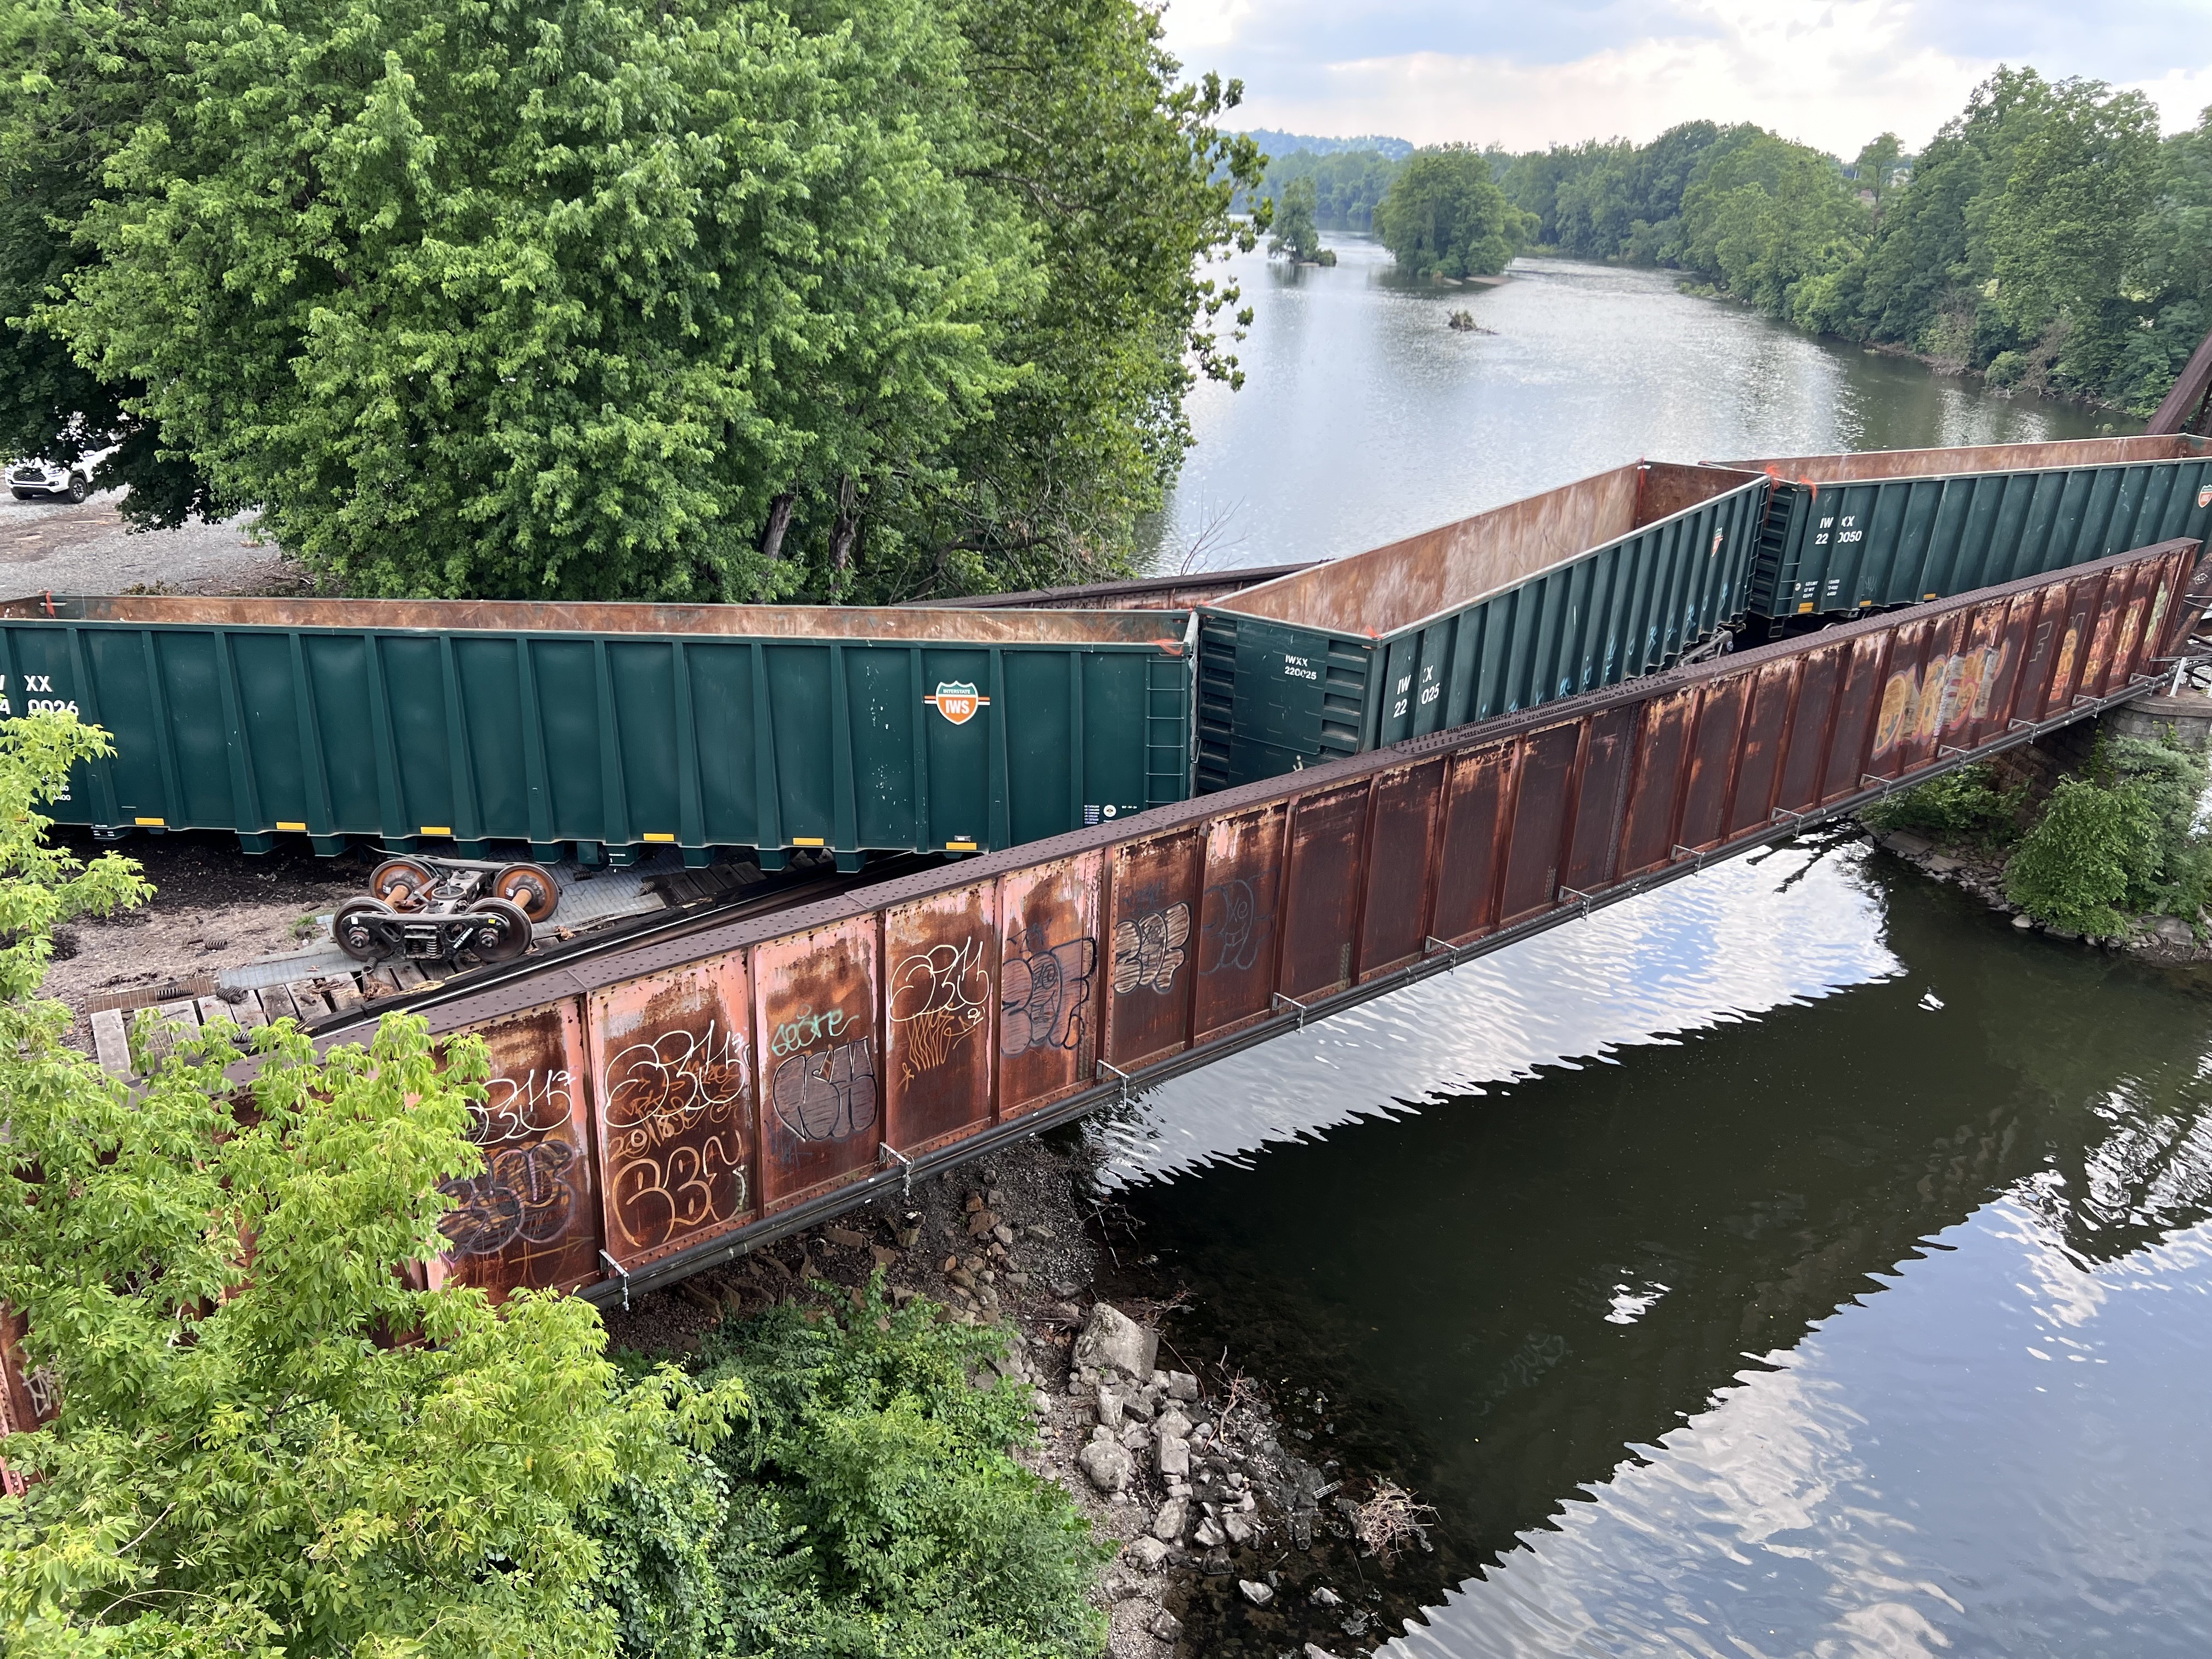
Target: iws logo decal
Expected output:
[957,701]
[2204,496]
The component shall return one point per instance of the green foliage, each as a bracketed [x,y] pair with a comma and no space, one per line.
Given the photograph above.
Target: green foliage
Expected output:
[1348,184]
[267,1441]
[1962,806]
[1445,215]
[2120,841]
[715,299]
[870,1508]
[1296,233]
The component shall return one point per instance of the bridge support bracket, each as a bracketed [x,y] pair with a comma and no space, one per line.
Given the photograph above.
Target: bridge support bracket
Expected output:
[621,1272]
[1943,749]
[1105,1070]
[906,1167]
[1690,853]
[1280,999]
[1582,900]
[1430,945]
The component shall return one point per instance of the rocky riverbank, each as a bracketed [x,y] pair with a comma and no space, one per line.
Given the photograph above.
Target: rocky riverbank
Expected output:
[2168,941]
[1231,1541]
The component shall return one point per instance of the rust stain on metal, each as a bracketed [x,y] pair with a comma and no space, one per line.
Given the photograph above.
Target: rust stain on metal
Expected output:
[815,1007]
[1148,949]
[940,965]
[1050,987]
[531,1220]
[1327,828]
[1400,874]
[1236,923]
[672,1054]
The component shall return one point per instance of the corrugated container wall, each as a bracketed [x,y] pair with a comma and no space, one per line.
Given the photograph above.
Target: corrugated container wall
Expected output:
[1604,578]
[609,728]
[1860,533]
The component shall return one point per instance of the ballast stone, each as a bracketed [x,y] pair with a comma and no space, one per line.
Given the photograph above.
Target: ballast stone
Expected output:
[1112,1339]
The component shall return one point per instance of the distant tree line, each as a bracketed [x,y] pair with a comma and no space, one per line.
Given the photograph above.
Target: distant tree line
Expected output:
[597,299]
[2047,236]
[1348,185]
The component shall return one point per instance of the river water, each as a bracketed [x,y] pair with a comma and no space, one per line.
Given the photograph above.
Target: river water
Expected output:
[1792,1261]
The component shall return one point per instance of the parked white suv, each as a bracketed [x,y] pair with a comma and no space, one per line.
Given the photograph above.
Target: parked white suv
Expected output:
[33,480]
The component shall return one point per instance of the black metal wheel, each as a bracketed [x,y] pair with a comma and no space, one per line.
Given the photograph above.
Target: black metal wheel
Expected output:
[507,935]
[351,927]
[530,887]
[403,883]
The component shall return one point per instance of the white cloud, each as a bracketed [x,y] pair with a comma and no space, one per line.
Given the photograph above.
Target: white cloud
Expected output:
[1833,73]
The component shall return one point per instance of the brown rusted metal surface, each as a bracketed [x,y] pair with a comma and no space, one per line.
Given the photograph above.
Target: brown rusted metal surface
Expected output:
[1180,593]
[672,1060]
[940,962]
[923,625]
[1402,582]
[1204,926]
[817,1009]
[1050,988]
[1983,458]
[1236,920]
[1154,888]
[531,1219]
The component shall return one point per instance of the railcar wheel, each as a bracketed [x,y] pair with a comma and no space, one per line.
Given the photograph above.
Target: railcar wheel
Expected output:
[529,888]
[508,937]
[350,928]
[404,884]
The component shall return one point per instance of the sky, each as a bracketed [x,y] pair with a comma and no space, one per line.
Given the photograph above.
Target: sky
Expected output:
[1526,73]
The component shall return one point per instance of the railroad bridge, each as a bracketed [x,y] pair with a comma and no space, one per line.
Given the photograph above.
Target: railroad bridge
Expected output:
[656,1111]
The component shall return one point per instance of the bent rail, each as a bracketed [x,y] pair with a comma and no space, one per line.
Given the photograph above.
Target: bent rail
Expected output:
[662,1109]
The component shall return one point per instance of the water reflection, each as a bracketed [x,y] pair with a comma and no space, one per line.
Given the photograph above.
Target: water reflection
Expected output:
[1580,1218]
[1364,417]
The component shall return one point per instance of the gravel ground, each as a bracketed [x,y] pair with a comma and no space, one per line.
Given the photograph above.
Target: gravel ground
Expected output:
[212,905]
[51,547]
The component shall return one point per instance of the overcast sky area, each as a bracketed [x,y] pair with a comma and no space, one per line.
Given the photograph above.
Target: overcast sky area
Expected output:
[1526,73]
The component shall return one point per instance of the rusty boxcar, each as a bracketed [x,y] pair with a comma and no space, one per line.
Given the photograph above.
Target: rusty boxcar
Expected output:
[1853,532]
[1597,582]
[608,728]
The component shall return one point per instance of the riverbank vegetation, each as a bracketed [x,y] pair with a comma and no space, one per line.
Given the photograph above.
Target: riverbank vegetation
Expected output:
[264,1428]
[1445,215]
[2116,841]
[859,300]
[2047,237]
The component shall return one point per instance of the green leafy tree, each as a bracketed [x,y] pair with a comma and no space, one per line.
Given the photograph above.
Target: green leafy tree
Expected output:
[1768,219]
[1445,215]
[1296,233]
[1348,184]
[1875,170]
[1122,175]
[870,1509]
[267,1442]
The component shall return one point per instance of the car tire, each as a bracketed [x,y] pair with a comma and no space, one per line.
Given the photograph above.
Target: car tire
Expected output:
[79,487]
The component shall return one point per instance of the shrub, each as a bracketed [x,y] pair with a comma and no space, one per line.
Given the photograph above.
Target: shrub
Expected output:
[1966,806]
[2078,864]
[870,1508]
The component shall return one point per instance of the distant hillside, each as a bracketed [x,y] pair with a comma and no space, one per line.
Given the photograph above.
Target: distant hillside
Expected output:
[1284,144]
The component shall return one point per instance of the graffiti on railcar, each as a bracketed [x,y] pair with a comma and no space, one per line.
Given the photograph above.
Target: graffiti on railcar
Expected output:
[814,1011]
[940,997]
[1048,980]
[1044,995]
[674,1061]
[1148,949]
[1925,702]
[527,1218]
[1234,928]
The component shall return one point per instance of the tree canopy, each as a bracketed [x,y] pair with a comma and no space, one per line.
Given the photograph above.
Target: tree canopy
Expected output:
[1445,215]
[709,299]
[265,1441]
[1296,233]
[2047,236]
